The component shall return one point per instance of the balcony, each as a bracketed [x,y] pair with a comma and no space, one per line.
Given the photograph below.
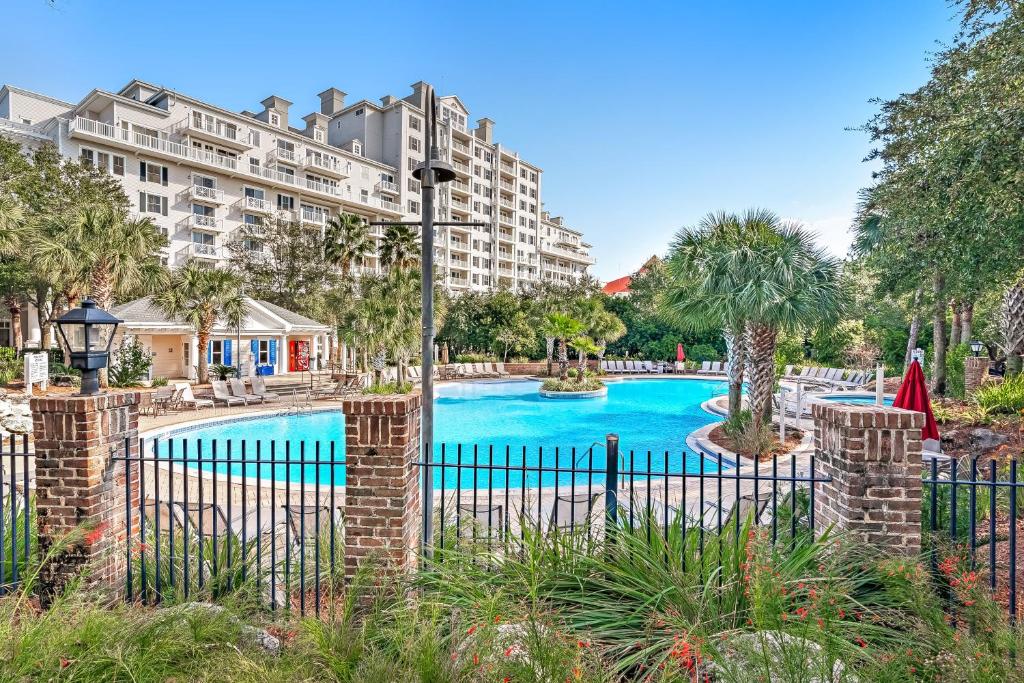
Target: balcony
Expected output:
[458,281]
[569,254]
[460,186]
[198,250]
[389,205]
[326,164]
[505,235]
[507,186]
[255,205]
[209,195]
[461,148]
[287,156]
[386,186]
[196,221]
[87,129]
[214,131]
[318,218]
[460,205]
[286,216]
[461,168]
[506,219]
[508,204]
[458,245]
[508,169]
[506,272]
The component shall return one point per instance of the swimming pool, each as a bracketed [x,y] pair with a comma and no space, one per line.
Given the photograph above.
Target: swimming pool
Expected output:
[856,398]
[489,420]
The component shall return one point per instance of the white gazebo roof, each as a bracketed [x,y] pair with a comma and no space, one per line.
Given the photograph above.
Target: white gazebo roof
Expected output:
[142,316]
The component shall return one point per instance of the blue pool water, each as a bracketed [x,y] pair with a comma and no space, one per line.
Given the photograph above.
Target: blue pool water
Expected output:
[857,399]
[478,422]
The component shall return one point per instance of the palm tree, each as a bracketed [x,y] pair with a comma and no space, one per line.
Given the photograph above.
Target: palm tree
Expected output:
[201,296]
[12,219]
[606,327]
[400,247]
[108,254]
[348,242]
[755,270]
[584,346]
[561,328]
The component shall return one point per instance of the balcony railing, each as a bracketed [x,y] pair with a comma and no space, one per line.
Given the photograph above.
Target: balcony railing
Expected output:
[458,244]
[232,135]
[457,204]
[460,185]
[232,165]
[324,163]
[576,256]
[508,204]
[464,148]
[198,250]
[463,168]
[508,168]
[202,193]
[201,222]
[505,185]
[255,205]
[387,186]
[286,155]
[314,217]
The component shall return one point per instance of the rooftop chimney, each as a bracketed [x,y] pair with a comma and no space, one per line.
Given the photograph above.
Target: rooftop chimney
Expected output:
[313,121]
[332,101]
[387,100]
[418,96]
[485,130]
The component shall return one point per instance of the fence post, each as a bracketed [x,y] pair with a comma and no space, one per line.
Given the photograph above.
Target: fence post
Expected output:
[611,489]
[382,480]
[79,484]
[873,456]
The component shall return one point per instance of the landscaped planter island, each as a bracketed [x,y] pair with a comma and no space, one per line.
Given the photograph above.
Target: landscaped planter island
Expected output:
[572,388]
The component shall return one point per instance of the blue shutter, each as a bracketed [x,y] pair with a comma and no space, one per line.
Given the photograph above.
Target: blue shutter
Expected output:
[254,349]
[209,351]
[227,352]
[273,352]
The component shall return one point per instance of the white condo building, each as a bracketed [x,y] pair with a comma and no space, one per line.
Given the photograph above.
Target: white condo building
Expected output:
[200,172]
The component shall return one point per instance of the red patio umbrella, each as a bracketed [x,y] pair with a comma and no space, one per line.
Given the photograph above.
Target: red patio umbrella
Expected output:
[680,353]
[913,395]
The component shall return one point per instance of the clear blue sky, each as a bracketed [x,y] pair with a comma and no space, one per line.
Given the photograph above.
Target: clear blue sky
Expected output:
[644,116]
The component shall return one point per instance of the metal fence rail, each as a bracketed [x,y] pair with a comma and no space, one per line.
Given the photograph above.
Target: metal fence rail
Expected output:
[490,496]
[258,519]
[972,508]
[17,512]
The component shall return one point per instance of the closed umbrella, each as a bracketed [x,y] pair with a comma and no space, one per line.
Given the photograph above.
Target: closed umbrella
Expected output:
[913,395]
[680,353]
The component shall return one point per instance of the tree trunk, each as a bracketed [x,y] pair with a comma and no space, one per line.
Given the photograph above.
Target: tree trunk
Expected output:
[915,329]
[14,308]
[550,342]
[762,371]
[939,336]
[563,361]
[204,365]
[954,328]
[967,323]
[736,352]
[102,288]
[582,368]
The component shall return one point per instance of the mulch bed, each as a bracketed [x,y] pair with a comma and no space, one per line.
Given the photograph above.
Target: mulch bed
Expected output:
[793,438]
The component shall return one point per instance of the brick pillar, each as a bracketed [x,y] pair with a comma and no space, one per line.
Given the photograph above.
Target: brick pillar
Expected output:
[382,485]
[79,485]
[975,370]
[873,455]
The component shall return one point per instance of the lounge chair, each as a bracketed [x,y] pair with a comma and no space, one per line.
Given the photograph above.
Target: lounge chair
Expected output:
[606,366]
[500,369]
[787,372]
[238,390]
[484,520]
[716,367]
[705,368]
[746,506]
[351,384]
[573,511]
[414,373]
[805,372]
[302,520]
[188,399]
[648,366]
[259,387]
[632,366]
[222,395]
[481,370]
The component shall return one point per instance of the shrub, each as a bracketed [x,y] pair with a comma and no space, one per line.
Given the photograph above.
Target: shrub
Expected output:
[571,384]
[1006,397]
[129,363]
[701,352]
[388,388]
[747,436]
[222,372]
[10,366]
[159,382]
[475,358]
[955,370]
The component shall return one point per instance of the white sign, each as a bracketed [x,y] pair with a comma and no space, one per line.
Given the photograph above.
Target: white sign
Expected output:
[37,370]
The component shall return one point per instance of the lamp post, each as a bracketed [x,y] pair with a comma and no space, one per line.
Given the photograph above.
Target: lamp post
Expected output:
[976,347]
[88,332]
[807,347]
[431,172]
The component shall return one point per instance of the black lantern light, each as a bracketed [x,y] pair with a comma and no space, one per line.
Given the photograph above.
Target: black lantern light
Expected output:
[807,347]
[976,347]
[88,332]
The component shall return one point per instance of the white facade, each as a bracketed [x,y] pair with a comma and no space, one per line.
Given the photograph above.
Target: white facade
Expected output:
[200,172]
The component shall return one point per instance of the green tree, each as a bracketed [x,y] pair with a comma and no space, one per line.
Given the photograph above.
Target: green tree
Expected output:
[400,247]
[606,327]
[201,296]
[585,347]
[513,335]
[753,269]
[562,328]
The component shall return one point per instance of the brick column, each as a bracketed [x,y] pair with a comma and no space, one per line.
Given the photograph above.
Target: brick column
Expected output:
[79,485]
[382,483]
[873,455]
[975,370]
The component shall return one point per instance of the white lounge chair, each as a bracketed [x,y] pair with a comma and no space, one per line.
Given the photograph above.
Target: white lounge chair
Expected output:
[259,387]
[606,365]
[705,368]
[648,366]
[238,390]
[189,399]
[716,367]
[499,368]
[222,395]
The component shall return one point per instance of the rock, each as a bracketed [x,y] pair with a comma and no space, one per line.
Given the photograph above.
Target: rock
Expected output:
[775,654]
[17,424]
[251,635]
[984,440]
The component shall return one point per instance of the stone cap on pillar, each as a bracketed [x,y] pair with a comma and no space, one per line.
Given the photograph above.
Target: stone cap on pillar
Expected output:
[382,404]
[76,403]
[867,415]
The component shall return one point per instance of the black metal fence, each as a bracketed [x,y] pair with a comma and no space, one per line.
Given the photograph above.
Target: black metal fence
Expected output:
[17,512]
[487,497]
[259,520]
[972,516]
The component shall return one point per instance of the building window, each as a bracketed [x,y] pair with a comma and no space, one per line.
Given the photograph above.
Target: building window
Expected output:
[118,167]
[412,164]
[216,352]
[318,135]
[414,123]
[414,143]
[522,173]
[533,177]
[152,173]
[263,352]
[414,206]
[152,203]
[285,202]
[522,188]
[275,120]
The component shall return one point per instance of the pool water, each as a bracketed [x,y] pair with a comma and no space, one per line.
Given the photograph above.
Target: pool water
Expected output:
[504,423]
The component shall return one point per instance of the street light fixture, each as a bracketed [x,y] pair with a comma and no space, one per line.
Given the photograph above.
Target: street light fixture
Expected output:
[88,332]
[976,347]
